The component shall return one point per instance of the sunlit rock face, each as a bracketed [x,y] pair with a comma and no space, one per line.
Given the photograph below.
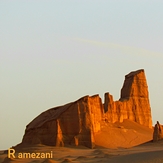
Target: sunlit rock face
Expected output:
[71,124]
[76,123]
[133,103]
[158,132]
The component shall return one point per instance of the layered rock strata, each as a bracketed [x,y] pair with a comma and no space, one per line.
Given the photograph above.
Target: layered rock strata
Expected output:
[77,123]
[158,132]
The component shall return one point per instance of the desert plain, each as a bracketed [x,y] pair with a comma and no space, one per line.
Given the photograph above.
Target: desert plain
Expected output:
[136,146]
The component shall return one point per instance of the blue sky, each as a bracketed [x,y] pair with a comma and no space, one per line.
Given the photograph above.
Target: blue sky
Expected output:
[56,51]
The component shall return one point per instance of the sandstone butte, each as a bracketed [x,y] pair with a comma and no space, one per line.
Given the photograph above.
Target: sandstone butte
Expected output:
[77,123]
[158,132]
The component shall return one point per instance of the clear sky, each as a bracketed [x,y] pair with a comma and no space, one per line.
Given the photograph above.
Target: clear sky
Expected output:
[55,51]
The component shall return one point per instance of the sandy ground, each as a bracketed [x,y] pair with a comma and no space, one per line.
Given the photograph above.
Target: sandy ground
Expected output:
[126,134]
[146,153]
[126,142]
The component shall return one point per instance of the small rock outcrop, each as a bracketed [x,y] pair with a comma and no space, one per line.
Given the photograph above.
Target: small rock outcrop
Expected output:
[158,132]
[77,123]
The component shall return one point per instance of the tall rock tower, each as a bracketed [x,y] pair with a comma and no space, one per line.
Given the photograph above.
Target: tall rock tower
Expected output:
[133,103]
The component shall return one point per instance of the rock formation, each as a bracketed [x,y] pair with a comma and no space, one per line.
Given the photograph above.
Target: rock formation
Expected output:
[134,102]
[158,132]
[74,123]
[77,123]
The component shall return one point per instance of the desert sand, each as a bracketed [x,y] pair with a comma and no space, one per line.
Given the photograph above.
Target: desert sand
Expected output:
[126,142]
[146,153]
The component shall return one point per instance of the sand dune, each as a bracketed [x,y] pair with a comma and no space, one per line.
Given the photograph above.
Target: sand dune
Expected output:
[126,134]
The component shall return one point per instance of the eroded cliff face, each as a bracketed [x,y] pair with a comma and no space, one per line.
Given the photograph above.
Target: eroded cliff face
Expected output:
[158,132]
[77,123]
[71,124]
[133,103]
